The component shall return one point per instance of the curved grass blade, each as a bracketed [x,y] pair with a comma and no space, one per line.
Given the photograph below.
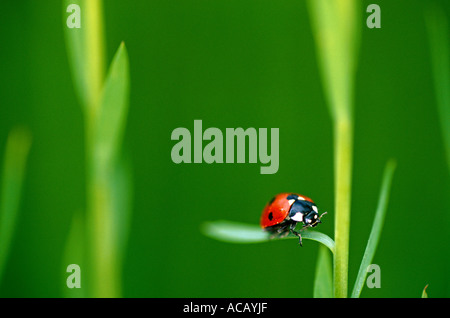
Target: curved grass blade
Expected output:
[323,281]
[424,292]
[377,227]
[242,233]
[17,148]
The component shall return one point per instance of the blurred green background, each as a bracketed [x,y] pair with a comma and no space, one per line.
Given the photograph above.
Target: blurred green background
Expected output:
[231,63]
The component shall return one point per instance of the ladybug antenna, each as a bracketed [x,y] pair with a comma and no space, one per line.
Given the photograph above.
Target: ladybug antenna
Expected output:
[321,216]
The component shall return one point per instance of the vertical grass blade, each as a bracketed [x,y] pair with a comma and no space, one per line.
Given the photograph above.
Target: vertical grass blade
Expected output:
[335,26]
[17,148]
[377,227]
[343,141]
[105,107]
[85,47]
[323,281]
[438,34]
[122,193]
[107,202]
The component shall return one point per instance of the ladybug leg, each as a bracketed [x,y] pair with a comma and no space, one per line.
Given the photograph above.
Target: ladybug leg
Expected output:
[299,237]
[291,228]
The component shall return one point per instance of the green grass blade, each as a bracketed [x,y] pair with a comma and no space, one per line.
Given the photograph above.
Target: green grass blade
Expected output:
[336,29]
[105,107]
[122,193]
[424,292]
[234,232]
[242,233]
[323,281]
[438,34]
[377,227]
[109,165]
[85,48]
[113,110]
[17,148]
[109,180]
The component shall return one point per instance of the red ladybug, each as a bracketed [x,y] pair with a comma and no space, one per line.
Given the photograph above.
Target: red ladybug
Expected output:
[285,210]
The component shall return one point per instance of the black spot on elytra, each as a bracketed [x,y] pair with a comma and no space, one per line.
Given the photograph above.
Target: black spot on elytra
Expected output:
[270,216]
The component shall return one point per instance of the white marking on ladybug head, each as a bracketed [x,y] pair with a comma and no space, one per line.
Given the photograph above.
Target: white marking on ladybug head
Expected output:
[291,201]
[301,198]
[298,217]
[315,208]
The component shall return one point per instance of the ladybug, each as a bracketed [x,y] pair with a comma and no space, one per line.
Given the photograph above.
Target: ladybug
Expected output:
[285,210]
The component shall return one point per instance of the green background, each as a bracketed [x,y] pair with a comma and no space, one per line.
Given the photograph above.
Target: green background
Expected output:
[230,63]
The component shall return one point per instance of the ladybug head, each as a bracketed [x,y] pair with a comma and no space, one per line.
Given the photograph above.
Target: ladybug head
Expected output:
[312,218]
